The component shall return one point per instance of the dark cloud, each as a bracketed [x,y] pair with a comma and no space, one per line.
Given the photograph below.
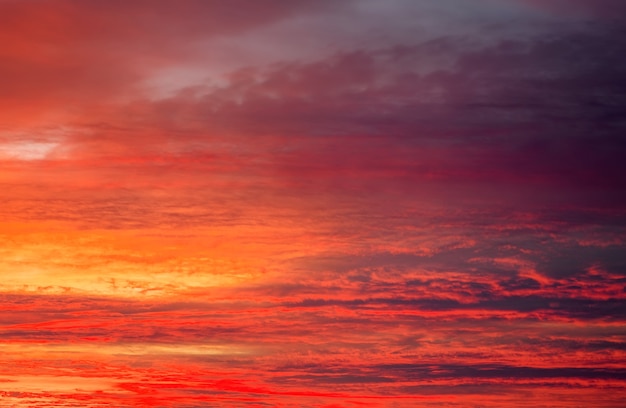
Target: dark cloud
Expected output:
[611,10]
[567,260]
[478,371]
[543,111]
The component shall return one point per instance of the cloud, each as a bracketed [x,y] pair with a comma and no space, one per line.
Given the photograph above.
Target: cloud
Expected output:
[69,58]
[508,114]
[583,9]
[312,203]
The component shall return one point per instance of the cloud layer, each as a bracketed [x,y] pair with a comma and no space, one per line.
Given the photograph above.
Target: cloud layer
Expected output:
[305,203]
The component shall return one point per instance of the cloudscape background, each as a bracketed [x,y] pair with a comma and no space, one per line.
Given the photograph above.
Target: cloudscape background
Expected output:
[312,203]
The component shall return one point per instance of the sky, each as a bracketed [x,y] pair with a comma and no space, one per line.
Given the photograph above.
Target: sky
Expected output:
[312,203]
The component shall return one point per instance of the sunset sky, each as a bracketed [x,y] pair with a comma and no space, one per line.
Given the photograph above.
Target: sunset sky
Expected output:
[313,203]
